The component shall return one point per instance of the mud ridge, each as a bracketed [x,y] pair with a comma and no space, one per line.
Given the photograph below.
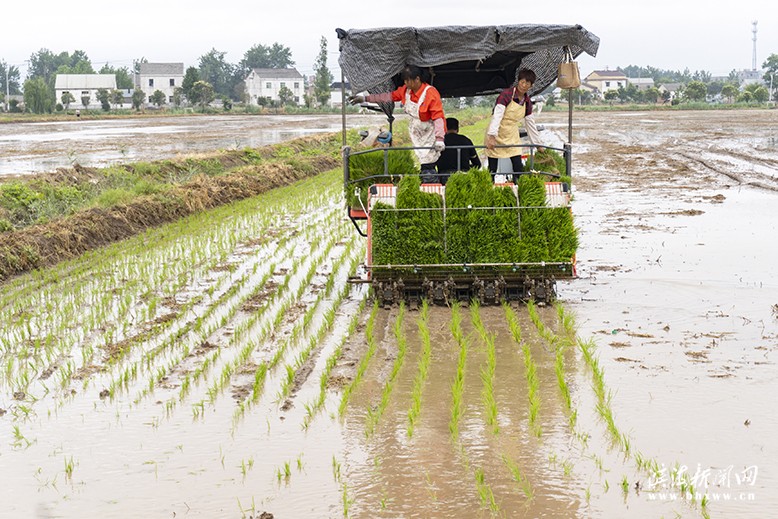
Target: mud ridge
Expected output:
[47,244]
[734,176]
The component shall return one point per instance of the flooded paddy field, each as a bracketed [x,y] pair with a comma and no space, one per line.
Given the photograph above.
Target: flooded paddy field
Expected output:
[27,148]
[222,367]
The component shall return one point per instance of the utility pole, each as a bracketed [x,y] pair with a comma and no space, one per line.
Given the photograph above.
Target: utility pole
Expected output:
[753,58]
[7,88]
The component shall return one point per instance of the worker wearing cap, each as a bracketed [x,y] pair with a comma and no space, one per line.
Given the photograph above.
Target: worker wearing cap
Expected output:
[512,106]
[422,102]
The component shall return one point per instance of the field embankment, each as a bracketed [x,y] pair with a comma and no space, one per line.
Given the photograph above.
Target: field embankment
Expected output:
[57,216]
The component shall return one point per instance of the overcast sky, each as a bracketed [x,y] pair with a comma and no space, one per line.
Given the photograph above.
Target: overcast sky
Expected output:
[697,34]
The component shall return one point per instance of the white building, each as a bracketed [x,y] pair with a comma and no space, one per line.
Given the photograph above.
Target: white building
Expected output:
[82,86]
[641,83]
[750,77]
[604,80]
[267,83]
[164,77]
[336,94]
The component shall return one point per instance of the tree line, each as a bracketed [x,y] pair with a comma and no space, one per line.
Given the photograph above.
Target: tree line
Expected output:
[697,86]
[214,77]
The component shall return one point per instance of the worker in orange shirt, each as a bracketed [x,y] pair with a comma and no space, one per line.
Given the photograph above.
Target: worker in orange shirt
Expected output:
[422,102]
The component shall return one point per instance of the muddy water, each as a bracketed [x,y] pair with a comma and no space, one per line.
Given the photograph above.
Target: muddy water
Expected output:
[676,288]
[432,473]
[27,148]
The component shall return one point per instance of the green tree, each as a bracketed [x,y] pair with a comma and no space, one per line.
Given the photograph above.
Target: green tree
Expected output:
[322,75]
[695,91]
[651,95]
[178,96]
[138,97]
[261,56]
[44,65]
[226,104]
[215,70]
[729,90]
[117,97]
[759,93]
[123,78]
[771,73]
[78,63]
[14,80]
[38,97]
[158,98]
[104,96]
[611,95]
[285,96]
[136,63]
[745,97]
[202,94]
[66,98]
[85,100]
[191,77]
[714,87]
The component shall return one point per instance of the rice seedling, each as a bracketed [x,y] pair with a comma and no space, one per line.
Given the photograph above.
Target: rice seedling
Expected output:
[485,491]
[246,466]
[458,385]
[300,464]
[518,476]
[423,367]
[314,407]
[559,345]
[362,367]
[530,370]
[373,416]
[567,468]
[19,439]
[624,486]
[346,500]
[336,469]
[251,511]
[69,466]
[704,506]
[488,371]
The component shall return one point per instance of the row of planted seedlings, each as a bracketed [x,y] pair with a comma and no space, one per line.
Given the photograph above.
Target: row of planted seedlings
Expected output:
[649,467]
[488,400]
[97,312]
[316,405]
[331,310]
[124,264]
[286,296]
[483,488]
[567,339]
[169,357]
[213,308]
[125,267]
[316,321]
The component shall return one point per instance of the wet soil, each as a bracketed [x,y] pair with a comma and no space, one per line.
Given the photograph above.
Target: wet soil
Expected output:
[676,290]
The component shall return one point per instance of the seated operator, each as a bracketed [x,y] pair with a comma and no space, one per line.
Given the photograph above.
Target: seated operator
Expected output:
[461,159]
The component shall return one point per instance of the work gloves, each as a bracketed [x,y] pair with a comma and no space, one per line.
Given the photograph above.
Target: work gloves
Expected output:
[439,146]
[356,100]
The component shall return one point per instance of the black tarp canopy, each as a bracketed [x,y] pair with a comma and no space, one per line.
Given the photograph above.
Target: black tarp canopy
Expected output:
[460,60]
